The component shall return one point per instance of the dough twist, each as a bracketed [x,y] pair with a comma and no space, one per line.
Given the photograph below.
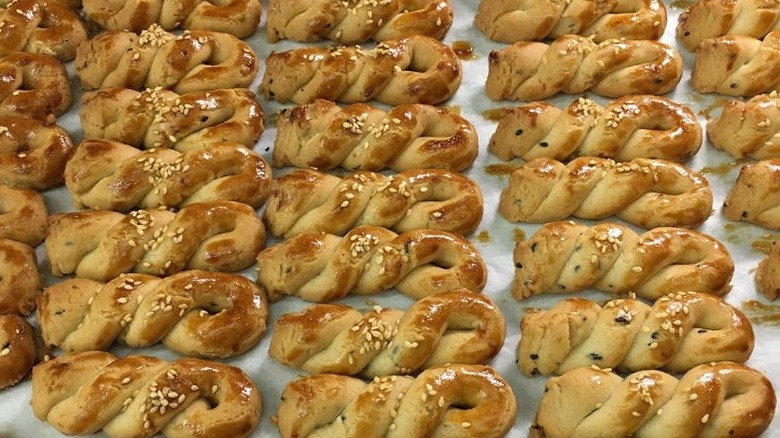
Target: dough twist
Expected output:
[236,17]
[161,118]
[307,200]
[194,313]
[82,393]
[357,21]
[574,65]
[20,281]
[40,26]
[23,215]
[17,349]
[681,330]
[715,400]
[322,267]
[34,86]
[32,153]
[644,192]
[101,245]
[564,257]
[748,129]
[706,19]
[413,69]
[459,326]
[362,137]
[454,401]
[768,273]
[106,175]
[535,20]
[198,60]
[754,197]
[627,128]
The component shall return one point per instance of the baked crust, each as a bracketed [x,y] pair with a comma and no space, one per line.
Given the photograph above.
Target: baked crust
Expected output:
[48,27]
[18,352]
[34,86]
[34,153]
[20,280]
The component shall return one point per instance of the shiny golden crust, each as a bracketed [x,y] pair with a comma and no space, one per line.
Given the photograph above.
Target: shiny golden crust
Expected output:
[20,281]
[572,64]
[194,313]
[34,86]
[32,153]
[236,17]
[82,393]
[40,26]
[100,245]
[641,126]
[156,118]
[198,60]
[714,18]
[535,20]
[748,129]
[461,401]
[681,330]
[23,215]
[564,257]
[737,65]
[357,22]
[644,192]
[323,267]
[768,274]
[17,349]
[412,69]
[755,197]
[715,400]
[362,137]
[306,200]
[459,326]
[106,175]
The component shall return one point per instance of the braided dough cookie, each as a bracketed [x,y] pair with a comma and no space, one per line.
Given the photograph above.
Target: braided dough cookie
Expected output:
[715,400]
[306,200]
[17,349]
[564,257]
[357,21]
[106,175]
[754,197]
[40,26]
[20,281]
[681,330]
[748,129]
[194,313]
[412,69]
[101,245]
[196,60]
[323,267]
[237,17]
[23,215]
[362,137]
[459,326]
[32,153]
[644,192]
[141,396]
[631,127]
[34,86]
[574,65]
[768,273]
[737,65]
[454,401]
[714,18]
[156,118]
[511,22]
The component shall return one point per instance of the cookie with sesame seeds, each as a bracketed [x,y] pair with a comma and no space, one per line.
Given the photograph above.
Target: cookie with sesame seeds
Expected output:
[18,351]
[705,19]
[23,215]
[40,26]
[20,280]
[34,86]
[748,129]
[32,153]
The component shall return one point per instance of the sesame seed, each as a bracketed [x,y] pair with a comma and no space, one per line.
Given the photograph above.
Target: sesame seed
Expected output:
[5,351]
[214,389]
[705,418]
[636,414]
[465,425]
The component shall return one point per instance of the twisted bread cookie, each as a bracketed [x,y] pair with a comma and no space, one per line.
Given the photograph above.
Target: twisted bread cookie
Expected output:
[357,21]
[141,396]
[511,22]
[754,197]
[194,313]
[563,257]
[34,86]
[307,200]
[101,245]
[193,61]
[362,137]
[715,400]
[627,128]
[322,267]
[23,215]
[768,273]
[32,153]
[17,349]
[748,129]
[573,65]
[644,192]
[737,65]
[106,175]
[20,281]
[459,326]
[454,401]
[714,18]
[161,118]
[237,17]
[412,69]
[40,26]
[681,330]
